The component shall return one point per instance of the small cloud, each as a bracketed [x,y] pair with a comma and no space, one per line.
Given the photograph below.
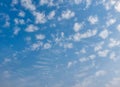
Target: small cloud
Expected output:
[67,14]
[31,28]
[104,34]
[93,19]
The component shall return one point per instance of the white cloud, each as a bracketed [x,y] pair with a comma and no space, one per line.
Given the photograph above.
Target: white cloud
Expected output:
[40,18]
[31,28]
[28,4]
[115,82]
[36,46]
[117,6]
[113,43]
[77,1]
[98,46]
[100,73]
[77,26]
[83,59]
[89,33]
[40,36]
[111,21]
[16,31]
[47,2]
[69,64]
[21,14]
[67,14]
[47,46]
[113,56]
[51,15]
[104,34]
[103,53]
[68,45]
[108,4]
[88,3]
[93,19]
[118,27]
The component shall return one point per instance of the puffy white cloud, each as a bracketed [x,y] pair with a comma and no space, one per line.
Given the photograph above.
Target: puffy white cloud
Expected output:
[51,15]
[103,53]
[113,56]
[98,46]
[40,36]
[113,43]
[36,46]
[28,5]
[31,28]
[104,34]
[89,33]
[77,26]
[93,19]
[77,1]
[118,27]
[88,3]
[40,18]
[21,14]
[100,73]
[16,31]
[111,21]
[115,82]
[67,14]
[117,6]
[47,46]
[68,45]
[46,2]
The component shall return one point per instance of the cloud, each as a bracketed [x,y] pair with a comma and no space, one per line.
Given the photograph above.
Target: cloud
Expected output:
[77,1]
[40,18]
[28,5]
[47,46]
[111,21]
[77,26]
[100,73]
[51,15]
[93,19]
[118,27]
[40,36]
[87,34]
[67,14]
[113,43]
[115,82]
[31,28]
[103,53]
[117,6]
[104,34]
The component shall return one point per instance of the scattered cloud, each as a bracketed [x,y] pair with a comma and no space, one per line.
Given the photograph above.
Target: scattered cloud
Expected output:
[31,28]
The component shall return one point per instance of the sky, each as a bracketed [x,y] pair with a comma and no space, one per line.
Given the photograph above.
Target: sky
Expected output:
[59,43]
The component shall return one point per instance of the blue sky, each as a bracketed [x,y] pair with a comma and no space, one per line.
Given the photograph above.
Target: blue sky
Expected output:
[59,43]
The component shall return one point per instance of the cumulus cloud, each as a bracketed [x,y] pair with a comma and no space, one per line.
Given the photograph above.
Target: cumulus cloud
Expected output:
[118,27]
[40,18]
[89,33]
[115,82]
[100,73]
[51,15]
[77,1]
[77,26]
[31,28]
[117,6]
[28,4]
[104,34]
[47,46]
[93,19]
[40,36]
[67,14]
[103,53]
